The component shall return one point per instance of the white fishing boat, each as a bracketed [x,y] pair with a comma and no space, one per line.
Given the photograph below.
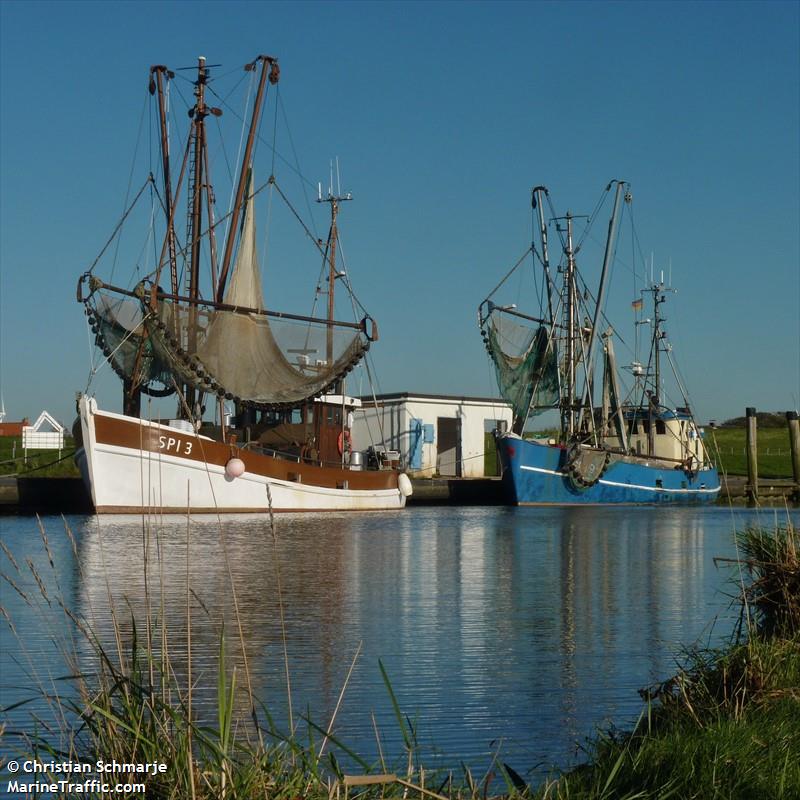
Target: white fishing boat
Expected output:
[262,417]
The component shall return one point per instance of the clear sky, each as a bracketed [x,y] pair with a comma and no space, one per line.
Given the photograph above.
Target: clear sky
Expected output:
[443,115]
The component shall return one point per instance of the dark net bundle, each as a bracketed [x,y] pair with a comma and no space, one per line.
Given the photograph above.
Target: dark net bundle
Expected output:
[526,367]
[121,333]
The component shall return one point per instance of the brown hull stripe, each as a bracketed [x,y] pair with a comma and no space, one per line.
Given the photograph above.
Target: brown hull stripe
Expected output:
[170,442]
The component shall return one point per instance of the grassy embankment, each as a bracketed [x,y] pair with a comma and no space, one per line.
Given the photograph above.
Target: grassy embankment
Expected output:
[774,456]
[726,727]
[39,463]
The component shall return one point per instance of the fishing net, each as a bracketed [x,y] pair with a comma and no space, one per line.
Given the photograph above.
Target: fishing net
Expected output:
[525,362]
[257,360]
[118,326]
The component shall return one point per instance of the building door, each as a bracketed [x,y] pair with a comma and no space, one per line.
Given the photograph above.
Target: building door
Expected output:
[448,456]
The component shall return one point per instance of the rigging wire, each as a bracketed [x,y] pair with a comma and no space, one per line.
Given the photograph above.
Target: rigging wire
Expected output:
[242,130]
[259,137]
[270,197]
[118,226]
[372,383]
[130,178]
[296,169]
[265,251]
[510,272]
[604,195]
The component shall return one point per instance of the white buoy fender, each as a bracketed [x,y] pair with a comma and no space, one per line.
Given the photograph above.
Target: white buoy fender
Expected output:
[234,468]
[404,485]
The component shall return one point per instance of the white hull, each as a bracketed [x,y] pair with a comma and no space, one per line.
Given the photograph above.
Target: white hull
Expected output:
[125,479]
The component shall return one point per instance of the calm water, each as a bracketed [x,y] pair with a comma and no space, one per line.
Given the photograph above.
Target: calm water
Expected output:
[523,629]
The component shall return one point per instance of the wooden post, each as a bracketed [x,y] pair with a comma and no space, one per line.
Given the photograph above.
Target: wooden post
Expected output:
[794,447]
[752,454]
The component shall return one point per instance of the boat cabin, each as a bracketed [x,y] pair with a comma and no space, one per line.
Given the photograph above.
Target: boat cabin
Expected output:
[318,432]
[669,435]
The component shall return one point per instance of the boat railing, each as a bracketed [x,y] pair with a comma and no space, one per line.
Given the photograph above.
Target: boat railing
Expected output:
[254,447]
[266,451]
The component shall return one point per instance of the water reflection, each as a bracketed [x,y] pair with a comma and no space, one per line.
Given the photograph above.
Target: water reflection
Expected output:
[519,628]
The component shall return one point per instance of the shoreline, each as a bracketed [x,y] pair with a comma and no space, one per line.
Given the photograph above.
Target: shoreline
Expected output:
[68,495]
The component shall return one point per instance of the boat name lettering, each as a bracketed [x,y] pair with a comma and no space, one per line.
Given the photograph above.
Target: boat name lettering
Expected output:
[171,443]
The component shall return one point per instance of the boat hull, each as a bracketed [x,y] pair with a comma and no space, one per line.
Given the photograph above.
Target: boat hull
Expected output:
[536,474]
[131,465]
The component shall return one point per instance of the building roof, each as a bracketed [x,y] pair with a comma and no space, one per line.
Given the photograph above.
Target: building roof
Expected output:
[452,398]
[47,423]
[12,428]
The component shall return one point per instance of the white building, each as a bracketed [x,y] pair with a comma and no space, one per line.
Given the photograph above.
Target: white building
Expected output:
[433,434]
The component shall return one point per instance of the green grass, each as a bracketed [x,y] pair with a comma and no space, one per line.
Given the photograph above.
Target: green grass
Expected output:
[39,463]
[774,457]
[491,466]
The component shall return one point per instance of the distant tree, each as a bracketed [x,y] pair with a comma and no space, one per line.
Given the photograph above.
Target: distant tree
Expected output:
[765,419]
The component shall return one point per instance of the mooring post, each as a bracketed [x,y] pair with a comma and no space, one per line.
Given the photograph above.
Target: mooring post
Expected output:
[752,454]
[794,447]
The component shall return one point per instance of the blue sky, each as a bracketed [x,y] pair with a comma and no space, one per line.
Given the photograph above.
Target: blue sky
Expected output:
[443,115]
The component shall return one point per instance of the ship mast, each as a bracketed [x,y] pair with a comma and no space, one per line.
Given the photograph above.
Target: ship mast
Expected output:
[656,397]
[131,387]
[571,330]
[198,148]
[273,73]
[536,200]
[333,274]
[588,400]
[157,75]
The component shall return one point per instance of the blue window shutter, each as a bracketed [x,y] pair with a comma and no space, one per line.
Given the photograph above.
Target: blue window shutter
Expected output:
[415,444]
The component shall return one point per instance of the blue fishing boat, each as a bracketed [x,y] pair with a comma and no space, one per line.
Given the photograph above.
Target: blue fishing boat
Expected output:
[629,444]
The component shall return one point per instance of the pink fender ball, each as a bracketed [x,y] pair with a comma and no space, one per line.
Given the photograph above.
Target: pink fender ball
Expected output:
[234,468]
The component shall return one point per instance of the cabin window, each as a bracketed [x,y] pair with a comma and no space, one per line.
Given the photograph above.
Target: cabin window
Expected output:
[661,426]
[645,426]
[337,417]
[659,483]
[296,415]
[632,427]
[330,415]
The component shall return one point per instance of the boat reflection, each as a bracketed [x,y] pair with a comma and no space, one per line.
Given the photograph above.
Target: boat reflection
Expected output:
[522,626]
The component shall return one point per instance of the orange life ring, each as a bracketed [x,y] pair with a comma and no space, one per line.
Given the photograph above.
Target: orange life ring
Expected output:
[344,443]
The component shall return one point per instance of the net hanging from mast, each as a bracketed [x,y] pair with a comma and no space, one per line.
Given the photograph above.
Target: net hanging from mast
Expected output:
[263,361]
[525,363]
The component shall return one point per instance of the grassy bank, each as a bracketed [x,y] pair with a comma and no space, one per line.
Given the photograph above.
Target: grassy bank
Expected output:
[727,726]
[37,463]
[774,457]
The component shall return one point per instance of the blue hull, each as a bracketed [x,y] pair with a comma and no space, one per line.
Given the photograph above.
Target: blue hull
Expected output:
[533,474]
